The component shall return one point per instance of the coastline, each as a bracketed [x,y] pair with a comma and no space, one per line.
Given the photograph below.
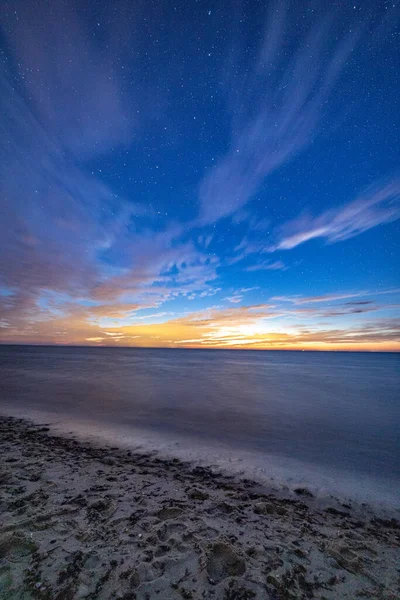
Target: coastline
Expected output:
[80,521]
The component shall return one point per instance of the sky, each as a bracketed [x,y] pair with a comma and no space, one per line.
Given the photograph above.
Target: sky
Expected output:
[200,174]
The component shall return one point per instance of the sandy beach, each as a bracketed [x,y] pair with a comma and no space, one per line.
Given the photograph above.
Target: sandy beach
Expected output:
[78,521]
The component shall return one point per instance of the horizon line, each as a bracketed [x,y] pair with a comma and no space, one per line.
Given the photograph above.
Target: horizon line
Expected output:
[236,349]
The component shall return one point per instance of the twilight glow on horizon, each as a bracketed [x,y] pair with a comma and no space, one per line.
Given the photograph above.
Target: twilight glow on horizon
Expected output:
[200,174]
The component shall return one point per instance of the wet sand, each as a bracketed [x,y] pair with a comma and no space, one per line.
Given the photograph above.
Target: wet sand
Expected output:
[79,521]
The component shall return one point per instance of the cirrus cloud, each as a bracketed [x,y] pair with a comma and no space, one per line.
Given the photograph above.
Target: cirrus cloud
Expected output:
[379,204]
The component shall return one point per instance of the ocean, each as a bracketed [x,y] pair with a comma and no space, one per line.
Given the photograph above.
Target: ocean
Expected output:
[329,421]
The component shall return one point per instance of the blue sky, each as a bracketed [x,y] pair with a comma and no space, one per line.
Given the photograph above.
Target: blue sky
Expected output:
[207,174]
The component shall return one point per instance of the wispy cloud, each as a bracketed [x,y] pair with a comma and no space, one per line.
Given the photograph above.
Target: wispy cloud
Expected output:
[276,108]
[377,205]
[328,298]
[276,265]
[234,299]
[317,299]
[238,295]
[249,289]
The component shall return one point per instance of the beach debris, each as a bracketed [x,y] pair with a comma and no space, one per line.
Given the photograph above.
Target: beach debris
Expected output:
[301,491]
[267,508]
[334,511]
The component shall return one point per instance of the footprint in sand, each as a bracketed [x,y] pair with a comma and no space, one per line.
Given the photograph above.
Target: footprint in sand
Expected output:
[166,530]
[15,546]
[169,512]
[223,561]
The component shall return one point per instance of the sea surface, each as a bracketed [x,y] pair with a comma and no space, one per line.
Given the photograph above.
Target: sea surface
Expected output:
[330,421]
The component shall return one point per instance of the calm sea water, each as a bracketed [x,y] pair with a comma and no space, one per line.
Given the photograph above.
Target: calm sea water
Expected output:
[329,420]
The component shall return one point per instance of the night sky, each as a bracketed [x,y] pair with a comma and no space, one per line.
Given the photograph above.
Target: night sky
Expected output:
[200,173]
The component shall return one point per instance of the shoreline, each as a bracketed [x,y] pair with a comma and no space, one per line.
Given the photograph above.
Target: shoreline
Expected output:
[275,474]
[81,521]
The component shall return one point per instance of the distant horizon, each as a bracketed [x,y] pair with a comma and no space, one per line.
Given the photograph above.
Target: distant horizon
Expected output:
[235,349]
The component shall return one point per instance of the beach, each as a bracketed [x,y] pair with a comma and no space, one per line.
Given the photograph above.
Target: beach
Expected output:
[83,521]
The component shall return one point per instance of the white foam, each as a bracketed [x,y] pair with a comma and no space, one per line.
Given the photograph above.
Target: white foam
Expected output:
[282,473]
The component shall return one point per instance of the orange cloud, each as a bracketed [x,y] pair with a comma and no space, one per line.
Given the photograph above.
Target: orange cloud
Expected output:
[264,326]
